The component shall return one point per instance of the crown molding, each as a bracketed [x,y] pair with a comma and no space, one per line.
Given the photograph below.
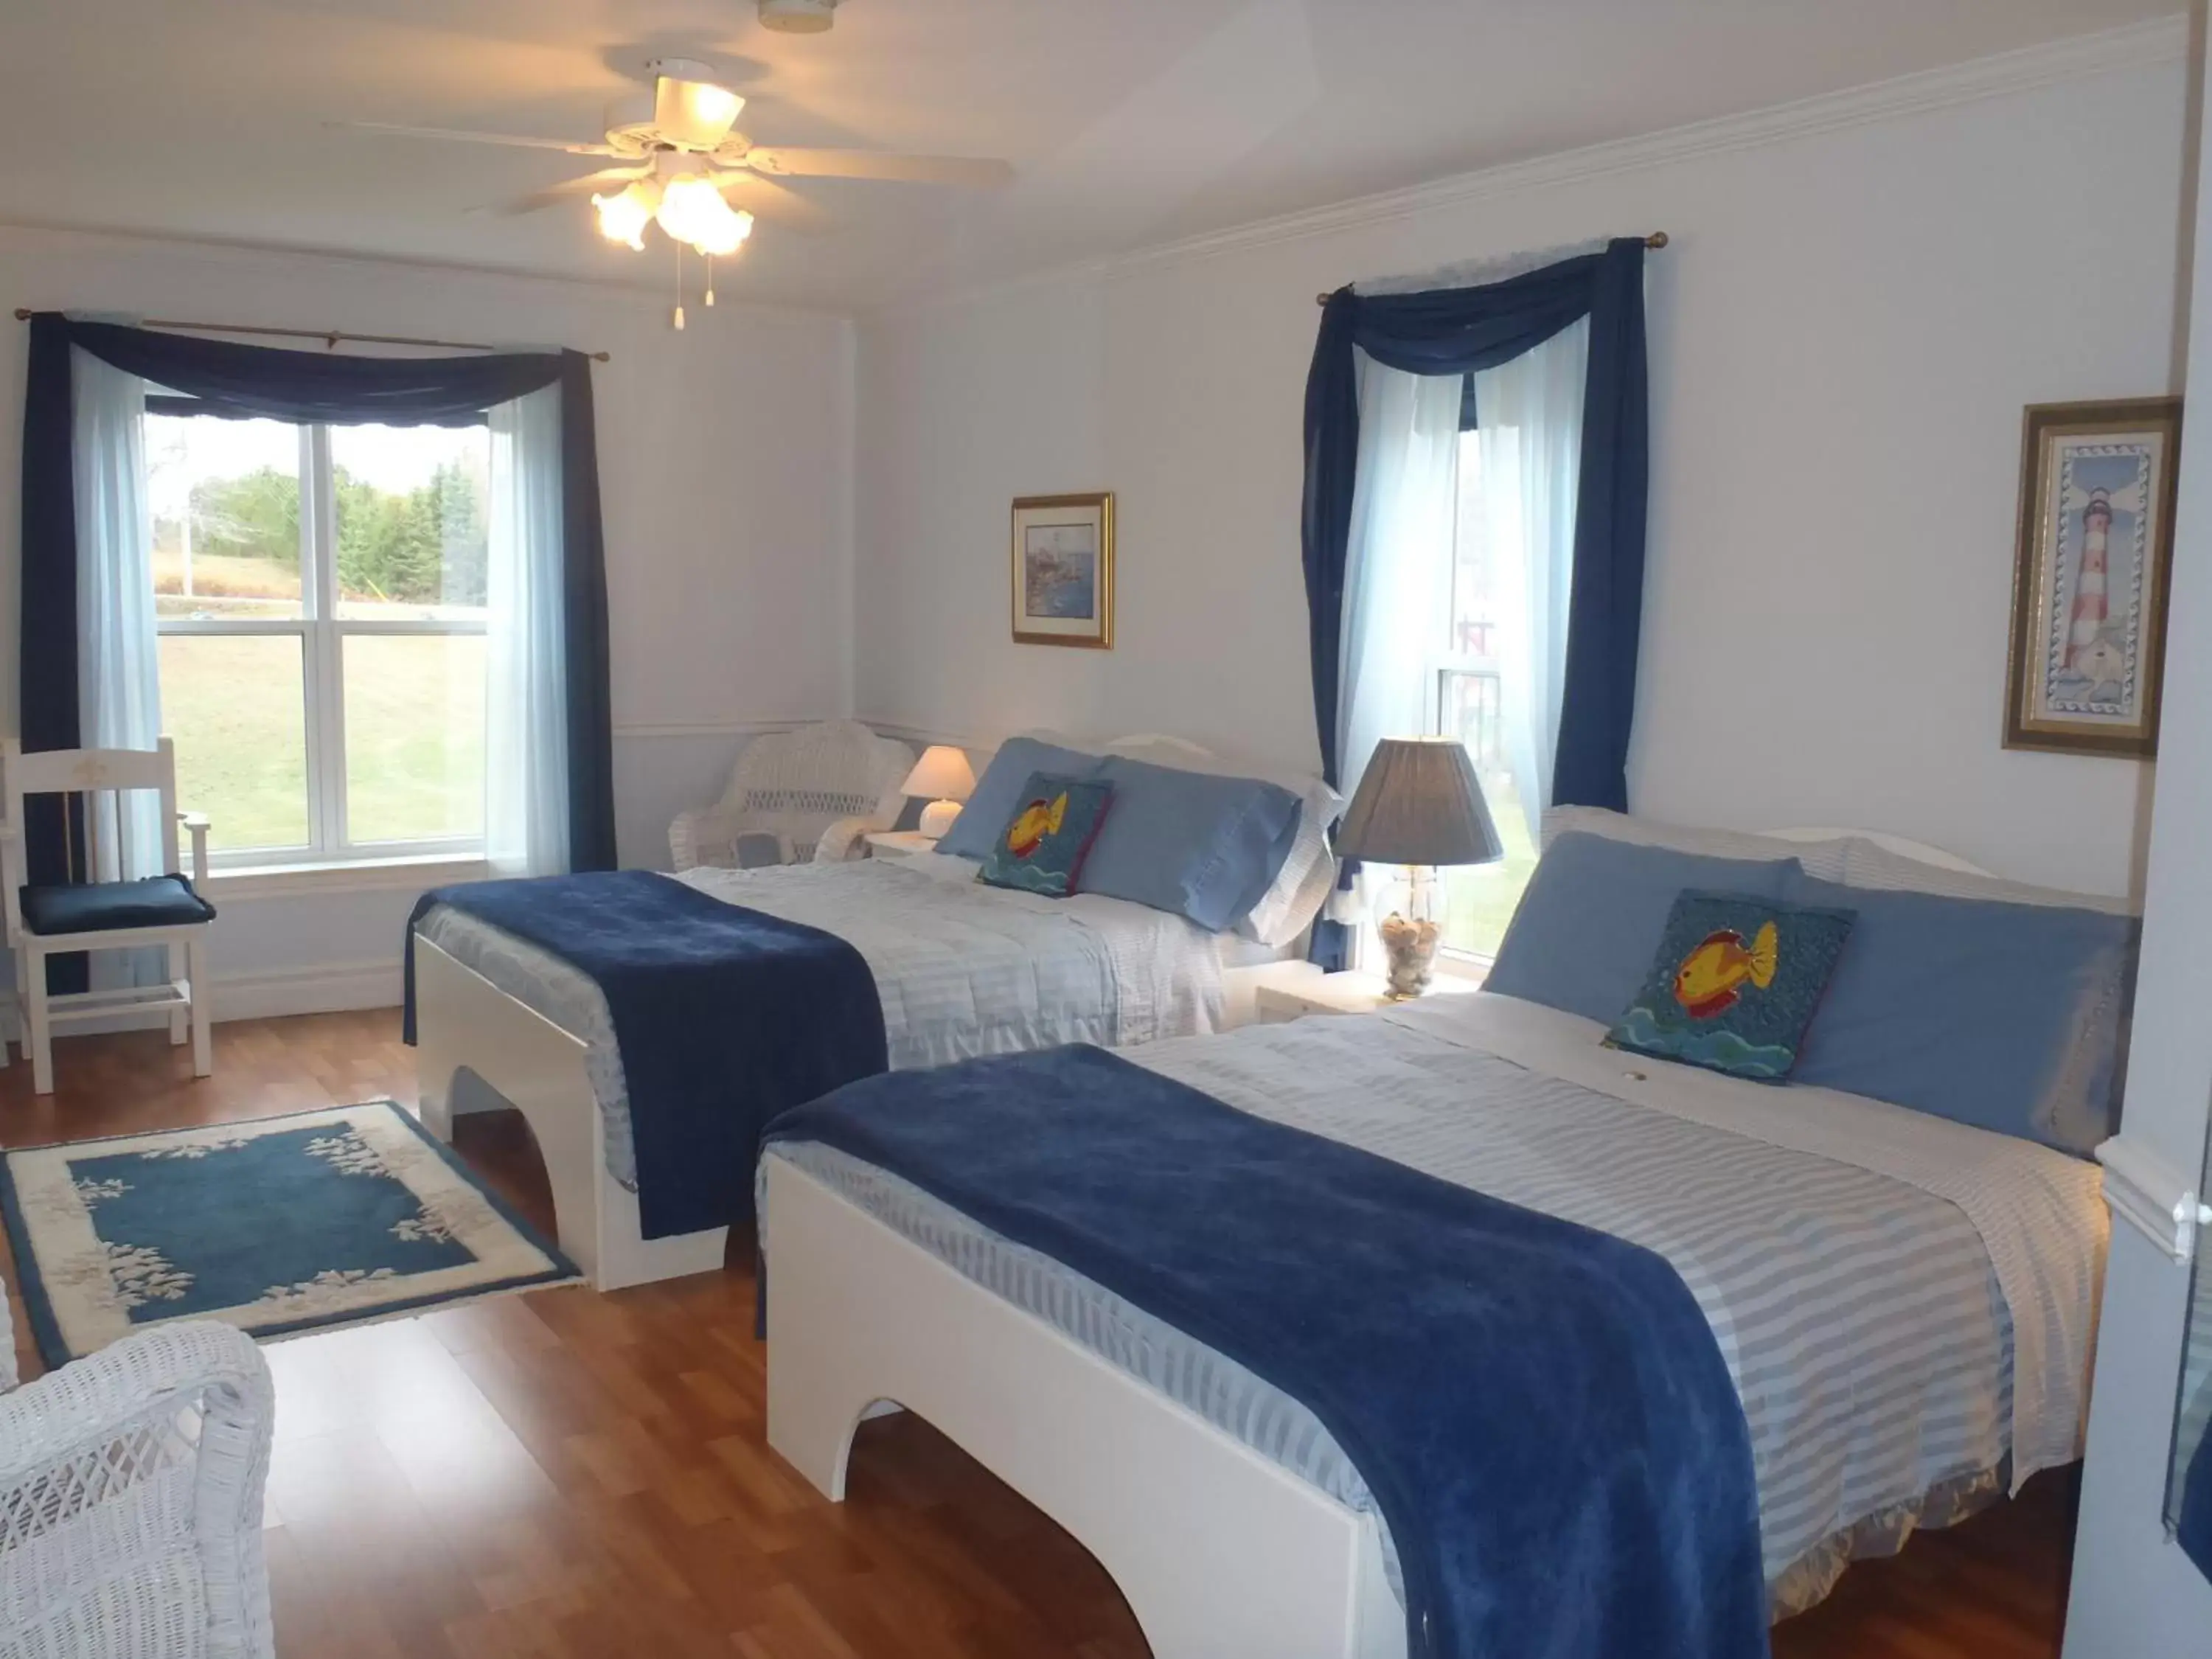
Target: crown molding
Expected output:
[2152,44]
[306,260]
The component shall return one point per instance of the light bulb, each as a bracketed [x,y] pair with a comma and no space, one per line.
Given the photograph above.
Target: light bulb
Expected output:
[624,216]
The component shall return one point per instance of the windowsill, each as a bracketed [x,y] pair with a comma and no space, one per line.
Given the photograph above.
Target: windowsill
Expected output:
[345,876]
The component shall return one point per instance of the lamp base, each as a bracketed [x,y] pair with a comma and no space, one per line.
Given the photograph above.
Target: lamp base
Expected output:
[1411,938]
[1409,956]
[938,817]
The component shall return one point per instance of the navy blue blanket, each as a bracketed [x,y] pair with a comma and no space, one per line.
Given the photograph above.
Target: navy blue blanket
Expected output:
[724,1016]
[1540,1410]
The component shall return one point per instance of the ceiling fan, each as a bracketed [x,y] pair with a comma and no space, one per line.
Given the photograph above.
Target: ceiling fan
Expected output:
[678,155]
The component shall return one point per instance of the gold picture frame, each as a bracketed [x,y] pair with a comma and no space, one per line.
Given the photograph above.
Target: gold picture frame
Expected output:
[2090,575]
[1063,570]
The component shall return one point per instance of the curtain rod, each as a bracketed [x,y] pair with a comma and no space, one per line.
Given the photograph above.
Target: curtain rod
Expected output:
[1656,240]
[330,337]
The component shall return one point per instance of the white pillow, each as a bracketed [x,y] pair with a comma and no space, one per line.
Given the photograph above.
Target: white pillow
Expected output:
[1868,864]
[1821,859]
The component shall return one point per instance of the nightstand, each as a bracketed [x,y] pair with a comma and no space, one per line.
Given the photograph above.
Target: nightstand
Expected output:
[1342,993]
[896,844]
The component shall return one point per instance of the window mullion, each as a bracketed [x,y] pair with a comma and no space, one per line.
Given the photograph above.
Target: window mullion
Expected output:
[325,668]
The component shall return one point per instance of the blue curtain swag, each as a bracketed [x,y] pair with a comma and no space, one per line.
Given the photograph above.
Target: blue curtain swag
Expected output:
[247,381]
[1461,331]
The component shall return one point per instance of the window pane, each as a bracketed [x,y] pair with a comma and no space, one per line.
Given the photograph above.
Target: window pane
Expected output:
[225,501]
[411,519]
[236,705]
[1480,899]
[414,736]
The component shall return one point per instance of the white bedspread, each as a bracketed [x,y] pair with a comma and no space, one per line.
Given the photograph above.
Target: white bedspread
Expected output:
[1903,1303]
[961,968]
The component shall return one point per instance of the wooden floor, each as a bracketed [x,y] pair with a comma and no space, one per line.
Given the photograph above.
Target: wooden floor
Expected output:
[565,1473]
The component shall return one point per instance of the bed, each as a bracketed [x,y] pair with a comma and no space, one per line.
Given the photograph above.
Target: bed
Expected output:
[1905,1304]
[960,969]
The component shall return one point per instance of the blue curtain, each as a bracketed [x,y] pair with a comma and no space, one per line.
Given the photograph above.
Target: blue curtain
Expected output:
[246,381]
[1461,331]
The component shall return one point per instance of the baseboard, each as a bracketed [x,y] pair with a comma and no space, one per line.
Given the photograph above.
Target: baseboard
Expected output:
[326,989]
[329,987]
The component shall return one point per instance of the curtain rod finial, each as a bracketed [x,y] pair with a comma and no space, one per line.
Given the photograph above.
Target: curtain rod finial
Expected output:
[1655,239]
[22,313]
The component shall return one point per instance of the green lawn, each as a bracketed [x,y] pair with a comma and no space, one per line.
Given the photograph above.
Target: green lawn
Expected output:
[1480,898]
[414,735]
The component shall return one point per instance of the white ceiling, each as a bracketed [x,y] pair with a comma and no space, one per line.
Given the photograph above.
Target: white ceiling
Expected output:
[1128,121]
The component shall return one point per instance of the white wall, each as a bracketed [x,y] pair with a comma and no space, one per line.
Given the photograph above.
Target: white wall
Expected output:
[725,457]
[1844,331]
[2134,1592]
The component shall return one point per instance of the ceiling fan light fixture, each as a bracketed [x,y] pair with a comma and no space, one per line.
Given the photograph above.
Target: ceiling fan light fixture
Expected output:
[798,16]
[625,215]
[692,212]
[689,108]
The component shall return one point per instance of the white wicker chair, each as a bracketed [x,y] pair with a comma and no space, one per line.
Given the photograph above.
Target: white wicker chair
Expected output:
[130,1502]
[797,795]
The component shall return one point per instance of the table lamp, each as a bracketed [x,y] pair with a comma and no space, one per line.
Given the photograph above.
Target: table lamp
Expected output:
[1419,804]
[942,774]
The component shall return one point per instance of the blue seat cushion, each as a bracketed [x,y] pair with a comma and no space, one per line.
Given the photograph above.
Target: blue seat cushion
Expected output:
[104,907]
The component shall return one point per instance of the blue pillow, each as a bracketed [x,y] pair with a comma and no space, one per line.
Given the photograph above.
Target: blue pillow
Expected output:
[1583,936]
[991,802]
[2006,1016]
[1041,848]
[1734,984]
[1196,844]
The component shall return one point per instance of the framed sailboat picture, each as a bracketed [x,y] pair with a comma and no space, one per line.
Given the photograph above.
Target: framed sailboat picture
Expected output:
[2096,550]
[1064,570]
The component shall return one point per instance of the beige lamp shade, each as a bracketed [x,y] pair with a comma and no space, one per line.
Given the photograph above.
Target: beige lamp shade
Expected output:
[944,778]
[941,774]
[1419,803]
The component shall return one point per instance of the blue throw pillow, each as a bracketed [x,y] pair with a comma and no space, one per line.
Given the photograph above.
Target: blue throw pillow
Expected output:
[992,800]
[2006,1016]
[1042,845]
[1196,844]
[1734,984]
[1583,936]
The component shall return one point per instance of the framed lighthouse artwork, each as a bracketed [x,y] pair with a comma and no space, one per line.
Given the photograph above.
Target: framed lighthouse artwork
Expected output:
[2096,549]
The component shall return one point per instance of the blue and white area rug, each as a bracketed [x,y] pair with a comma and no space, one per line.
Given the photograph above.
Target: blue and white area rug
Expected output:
[276,1226]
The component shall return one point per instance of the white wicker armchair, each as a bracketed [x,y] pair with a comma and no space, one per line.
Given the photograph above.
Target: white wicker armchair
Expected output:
[130,1502]
[797,795]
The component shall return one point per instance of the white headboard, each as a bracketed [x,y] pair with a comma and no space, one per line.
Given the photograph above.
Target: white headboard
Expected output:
[1920,851]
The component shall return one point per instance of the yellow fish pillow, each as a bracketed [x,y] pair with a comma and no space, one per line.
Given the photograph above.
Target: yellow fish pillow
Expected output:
[1043,845]
[1734,984]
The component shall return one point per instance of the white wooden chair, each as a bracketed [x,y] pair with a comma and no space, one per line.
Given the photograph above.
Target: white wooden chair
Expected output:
[131,1499]
[790,791]
[88,913]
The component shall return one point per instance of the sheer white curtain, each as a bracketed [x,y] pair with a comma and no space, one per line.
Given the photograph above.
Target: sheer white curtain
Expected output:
[119,671]
[1399,560]
[526,719]
[1531,416]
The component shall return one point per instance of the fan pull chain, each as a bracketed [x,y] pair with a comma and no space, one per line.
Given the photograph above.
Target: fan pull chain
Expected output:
[679,288]
[710,279]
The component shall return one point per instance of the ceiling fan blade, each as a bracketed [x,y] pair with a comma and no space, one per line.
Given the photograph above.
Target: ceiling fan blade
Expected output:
[456,134]
[764,199]
[784,162]
[568,190]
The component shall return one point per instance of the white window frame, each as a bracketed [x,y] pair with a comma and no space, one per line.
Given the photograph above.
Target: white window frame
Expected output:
[322,634]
